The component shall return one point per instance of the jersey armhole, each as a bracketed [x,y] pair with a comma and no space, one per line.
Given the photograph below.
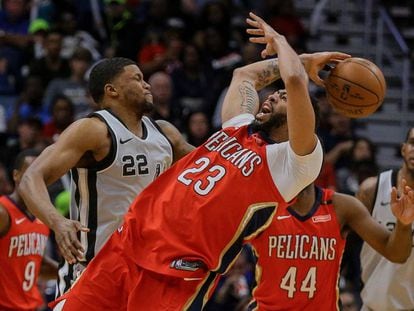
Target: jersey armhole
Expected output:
[110,157]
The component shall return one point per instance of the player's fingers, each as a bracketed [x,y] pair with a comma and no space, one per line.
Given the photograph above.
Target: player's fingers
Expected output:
[256,32]
[394,195]
[66,252]
[80,227]
[252,23]
[256,18]
[264,53]
[339,55]
[259,40]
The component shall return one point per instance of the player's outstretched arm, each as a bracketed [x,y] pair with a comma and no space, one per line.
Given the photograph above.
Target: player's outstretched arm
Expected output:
[82,137]
[180,146]
[394,245]
[242,96]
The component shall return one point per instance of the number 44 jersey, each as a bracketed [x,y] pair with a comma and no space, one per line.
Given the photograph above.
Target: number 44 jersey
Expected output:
[21,253]
[298,259]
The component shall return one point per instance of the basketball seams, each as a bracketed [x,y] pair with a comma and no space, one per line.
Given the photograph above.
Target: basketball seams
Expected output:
[351,82]
[376,74]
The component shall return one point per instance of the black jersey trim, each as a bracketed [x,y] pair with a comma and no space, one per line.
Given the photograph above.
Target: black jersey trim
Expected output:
[394,178]
[110,157]
[197,303]
[262,134]
[92,215]
[316,204]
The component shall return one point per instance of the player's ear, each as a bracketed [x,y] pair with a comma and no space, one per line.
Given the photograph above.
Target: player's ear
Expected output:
[110,90]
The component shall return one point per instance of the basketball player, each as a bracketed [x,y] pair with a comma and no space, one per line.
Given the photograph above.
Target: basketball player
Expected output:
[112,155]
[387,286]
[22,244]
[299,255]
[188,226]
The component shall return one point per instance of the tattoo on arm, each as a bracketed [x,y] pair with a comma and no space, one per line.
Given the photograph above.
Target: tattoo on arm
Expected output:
[249,97]
[269,74]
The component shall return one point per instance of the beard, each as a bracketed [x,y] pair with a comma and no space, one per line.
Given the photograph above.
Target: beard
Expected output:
[275,121]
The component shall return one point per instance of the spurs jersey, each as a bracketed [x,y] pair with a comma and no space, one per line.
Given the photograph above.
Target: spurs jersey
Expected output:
[387,286]
[298,259]
[100,196]
[21,253]
[212,201]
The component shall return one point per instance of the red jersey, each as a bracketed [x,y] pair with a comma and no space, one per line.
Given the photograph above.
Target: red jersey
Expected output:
[298,259]
[225,203]
[21,253]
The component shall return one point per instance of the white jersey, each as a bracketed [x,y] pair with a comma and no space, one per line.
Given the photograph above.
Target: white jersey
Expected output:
[101,195]
[387,286]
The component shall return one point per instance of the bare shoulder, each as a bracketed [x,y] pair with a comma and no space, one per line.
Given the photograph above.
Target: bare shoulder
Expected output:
[348,208]
[366,192]
[86,131]
[180,146]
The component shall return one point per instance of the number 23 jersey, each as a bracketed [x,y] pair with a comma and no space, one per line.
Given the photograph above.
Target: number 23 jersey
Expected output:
[213,200]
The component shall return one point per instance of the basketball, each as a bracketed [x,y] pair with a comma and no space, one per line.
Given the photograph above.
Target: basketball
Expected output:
[355,87]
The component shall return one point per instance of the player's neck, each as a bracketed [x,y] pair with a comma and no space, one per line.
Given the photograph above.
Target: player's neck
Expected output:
[305,201]
[19,201]
[132,121]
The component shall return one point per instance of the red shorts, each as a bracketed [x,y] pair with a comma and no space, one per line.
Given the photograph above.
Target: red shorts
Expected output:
[113,282]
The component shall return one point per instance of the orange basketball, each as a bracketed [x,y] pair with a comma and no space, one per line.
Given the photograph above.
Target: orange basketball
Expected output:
[355,87]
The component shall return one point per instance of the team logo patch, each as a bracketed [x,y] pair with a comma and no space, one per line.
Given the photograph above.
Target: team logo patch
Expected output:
[321,218]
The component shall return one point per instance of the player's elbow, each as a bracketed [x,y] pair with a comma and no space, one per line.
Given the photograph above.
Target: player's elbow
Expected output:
[242,74]
[400,257]
[296,78]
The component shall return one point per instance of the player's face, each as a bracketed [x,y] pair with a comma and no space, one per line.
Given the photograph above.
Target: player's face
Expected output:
[272,113]
[132,88]
[407,152]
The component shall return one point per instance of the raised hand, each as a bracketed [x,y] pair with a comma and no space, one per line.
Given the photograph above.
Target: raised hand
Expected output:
[314,63]
[265,35]
[66,238]
[403,206]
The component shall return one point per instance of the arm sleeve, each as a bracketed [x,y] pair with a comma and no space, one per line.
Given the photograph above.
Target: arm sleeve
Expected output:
[240,120]
[290,172]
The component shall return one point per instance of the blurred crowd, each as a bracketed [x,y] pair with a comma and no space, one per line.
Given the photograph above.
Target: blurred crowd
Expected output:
[187,51]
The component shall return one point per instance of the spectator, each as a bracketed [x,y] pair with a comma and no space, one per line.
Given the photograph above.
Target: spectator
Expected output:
[75,87]
[29,137]
[14,38]
[62,111]
[191,83]
[362,164]
[162,90]
[73,38]
[52,65]
[29,104]
[198,128]
[123,31]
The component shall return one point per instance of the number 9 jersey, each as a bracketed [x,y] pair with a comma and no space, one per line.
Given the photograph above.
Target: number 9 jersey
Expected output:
[21,253]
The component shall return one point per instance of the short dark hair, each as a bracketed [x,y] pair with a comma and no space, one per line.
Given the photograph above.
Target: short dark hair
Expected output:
[104,72]
[19,161]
